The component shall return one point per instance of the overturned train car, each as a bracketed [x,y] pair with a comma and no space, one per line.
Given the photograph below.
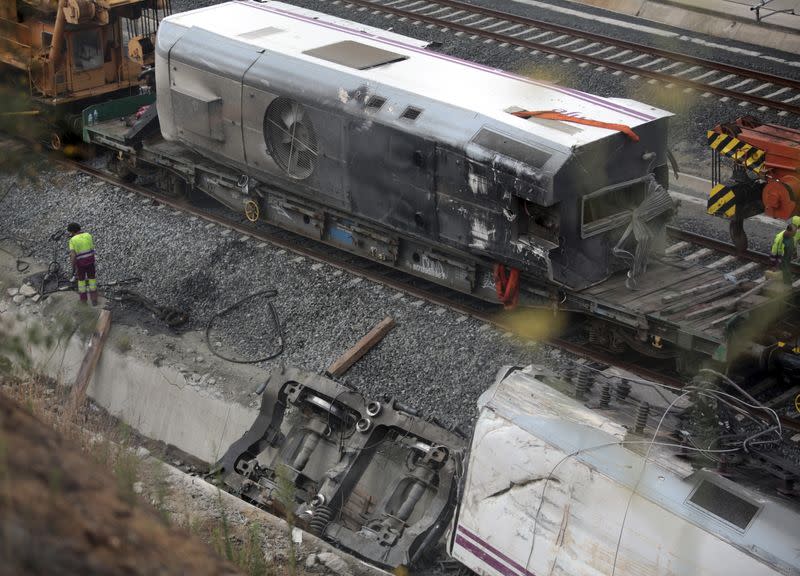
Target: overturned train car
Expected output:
[548,483]
[336,127]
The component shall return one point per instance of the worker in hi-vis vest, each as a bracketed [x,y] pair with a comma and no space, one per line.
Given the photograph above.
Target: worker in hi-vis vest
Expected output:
[81,254]
[784,249]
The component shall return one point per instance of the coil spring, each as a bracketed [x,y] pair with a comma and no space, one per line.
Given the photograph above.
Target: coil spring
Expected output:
[605,396]
[583,381]
[596,336]
[642,413]
[320,520]
[616,345]
[623,389]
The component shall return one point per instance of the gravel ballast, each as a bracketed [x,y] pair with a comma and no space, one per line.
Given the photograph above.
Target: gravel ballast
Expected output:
[435,359]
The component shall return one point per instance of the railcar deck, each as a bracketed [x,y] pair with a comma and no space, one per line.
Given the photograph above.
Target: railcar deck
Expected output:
[687,304]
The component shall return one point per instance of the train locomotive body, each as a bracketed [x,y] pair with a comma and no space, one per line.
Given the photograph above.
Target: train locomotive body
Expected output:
[384,130]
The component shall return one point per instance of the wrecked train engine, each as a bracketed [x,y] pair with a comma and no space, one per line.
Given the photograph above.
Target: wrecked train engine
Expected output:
[380,145]
[368,476]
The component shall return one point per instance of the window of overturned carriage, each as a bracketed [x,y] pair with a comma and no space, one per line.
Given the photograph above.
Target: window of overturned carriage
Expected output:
[602,209]
[724,504]
[87,52]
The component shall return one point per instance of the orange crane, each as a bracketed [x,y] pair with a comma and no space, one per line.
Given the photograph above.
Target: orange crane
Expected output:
[765,177]
[71,53]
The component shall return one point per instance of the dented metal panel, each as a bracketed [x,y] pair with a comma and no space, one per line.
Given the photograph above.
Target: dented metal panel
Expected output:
[436,160]
[551,488]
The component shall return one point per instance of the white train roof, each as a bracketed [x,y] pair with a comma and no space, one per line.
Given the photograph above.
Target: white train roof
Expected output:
[384,58]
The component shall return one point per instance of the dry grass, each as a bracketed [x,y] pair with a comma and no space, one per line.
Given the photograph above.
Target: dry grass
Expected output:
[139,483]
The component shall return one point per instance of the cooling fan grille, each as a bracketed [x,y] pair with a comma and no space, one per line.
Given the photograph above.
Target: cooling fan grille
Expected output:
[290,137]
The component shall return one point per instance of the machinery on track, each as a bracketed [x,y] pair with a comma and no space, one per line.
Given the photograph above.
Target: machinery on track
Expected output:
[66,54]
[765,177]
[529,195]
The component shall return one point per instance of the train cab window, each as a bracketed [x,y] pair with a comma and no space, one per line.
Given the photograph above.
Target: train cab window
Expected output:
[355,55]
[607,208]
[723,504]
[87,53]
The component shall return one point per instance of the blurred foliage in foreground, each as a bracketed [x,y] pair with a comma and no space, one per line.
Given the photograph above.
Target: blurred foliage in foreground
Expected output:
[23,128]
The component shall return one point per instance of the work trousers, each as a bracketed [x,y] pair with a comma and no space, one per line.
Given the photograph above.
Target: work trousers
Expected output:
[87,284]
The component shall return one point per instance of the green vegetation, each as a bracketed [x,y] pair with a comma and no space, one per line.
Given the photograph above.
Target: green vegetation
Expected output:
[286,497]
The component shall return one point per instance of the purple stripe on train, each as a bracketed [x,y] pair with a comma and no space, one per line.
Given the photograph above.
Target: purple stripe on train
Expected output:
[485,545]
[484,556]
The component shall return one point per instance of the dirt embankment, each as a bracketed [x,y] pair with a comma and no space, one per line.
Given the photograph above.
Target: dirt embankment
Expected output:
[61,513]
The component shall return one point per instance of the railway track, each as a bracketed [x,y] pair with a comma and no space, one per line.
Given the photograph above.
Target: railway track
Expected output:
[673,69]
[720,255]
[686,242]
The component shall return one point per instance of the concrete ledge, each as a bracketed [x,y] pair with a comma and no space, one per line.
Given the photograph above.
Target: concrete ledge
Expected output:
[719,18]
[155,400]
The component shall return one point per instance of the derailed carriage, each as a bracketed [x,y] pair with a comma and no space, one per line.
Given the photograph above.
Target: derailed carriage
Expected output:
[495,185]
[424,147]
[548,483]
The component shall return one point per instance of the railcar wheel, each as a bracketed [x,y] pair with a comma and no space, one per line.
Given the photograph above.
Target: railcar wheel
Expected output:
[56,143]
[738,235]
[252,210]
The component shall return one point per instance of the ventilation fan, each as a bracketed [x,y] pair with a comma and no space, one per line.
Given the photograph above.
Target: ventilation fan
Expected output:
[290,137]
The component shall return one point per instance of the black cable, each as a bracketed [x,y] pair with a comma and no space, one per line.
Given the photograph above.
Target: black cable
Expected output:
[269,293]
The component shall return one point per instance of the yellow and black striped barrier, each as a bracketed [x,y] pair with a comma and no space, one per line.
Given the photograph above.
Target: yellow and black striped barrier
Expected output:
[732,147]
[722,201]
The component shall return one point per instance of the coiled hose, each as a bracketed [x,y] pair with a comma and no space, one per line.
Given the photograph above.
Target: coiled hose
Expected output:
[269,293]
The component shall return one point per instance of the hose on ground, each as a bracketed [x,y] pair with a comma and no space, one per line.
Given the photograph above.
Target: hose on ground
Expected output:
[22,265]
[269,293]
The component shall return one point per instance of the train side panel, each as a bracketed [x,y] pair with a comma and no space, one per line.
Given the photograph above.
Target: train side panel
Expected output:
[549,488]
[343,116]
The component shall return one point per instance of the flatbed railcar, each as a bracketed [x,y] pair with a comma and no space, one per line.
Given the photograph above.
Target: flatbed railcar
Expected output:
[459,173]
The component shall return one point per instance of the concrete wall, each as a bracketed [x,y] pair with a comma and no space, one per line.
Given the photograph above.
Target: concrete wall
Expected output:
[155,400]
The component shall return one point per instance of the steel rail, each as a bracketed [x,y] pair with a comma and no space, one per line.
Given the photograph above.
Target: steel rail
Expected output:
[723,247]
[651,50]
[632,70]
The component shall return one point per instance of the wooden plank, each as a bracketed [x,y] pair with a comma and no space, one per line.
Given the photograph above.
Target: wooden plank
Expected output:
[656,283]
[712,294]
[346,360]
[91,358]
[704,287]
[676,248]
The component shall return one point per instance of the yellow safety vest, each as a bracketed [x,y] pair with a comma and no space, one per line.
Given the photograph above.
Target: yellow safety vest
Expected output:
[82,244]
[777,244]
